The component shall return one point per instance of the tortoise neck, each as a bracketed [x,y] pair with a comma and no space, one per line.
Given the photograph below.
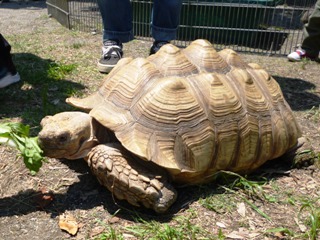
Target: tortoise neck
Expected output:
[102,134]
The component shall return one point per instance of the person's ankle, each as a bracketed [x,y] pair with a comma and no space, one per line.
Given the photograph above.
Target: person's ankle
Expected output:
[157,44]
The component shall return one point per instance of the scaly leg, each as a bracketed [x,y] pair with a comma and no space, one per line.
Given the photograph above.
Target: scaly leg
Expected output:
[129,178]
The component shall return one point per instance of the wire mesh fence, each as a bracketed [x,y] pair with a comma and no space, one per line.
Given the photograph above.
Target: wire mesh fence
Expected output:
[256,26]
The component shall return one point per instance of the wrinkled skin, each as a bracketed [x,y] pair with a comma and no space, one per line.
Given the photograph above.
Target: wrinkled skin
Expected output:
[67,135]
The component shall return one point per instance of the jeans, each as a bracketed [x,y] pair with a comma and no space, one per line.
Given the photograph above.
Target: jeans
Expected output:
[311,31]
[117,19]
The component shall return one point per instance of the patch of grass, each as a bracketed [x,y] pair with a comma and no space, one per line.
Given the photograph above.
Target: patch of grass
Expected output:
[180,227]
[219,203]
[311,210]
[58,71]
[314,114]
[110,234]
[308,219]
[246,189]
[77,45]
[43,89]
[304,63]
[283,231]
[252,188]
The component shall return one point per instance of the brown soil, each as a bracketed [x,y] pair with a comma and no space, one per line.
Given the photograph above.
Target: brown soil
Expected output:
[26,209]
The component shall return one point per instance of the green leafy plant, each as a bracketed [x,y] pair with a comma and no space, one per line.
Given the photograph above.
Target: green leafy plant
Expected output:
[111,234]
[313,212]
[17,135]
[250,188]
[58,71]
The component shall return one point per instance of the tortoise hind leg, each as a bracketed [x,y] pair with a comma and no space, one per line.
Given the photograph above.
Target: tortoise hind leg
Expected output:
[128,179]
[303,154]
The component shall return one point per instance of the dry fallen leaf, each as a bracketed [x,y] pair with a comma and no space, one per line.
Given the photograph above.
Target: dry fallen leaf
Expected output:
[221,224]
[68,223]
[43,198]
[241,209]
[96,231]
[302,227]
[235,235]
[113,220]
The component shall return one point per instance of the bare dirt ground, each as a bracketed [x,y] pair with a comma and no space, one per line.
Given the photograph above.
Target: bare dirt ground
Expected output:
[30,206]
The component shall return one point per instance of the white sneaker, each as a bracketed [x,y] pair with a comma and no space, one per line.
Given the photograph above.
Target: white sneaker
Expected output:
[9,79]
[300,54]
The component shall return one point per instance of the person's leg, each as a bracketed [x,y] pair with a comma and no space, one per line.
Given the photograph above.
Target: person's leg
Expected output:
[311,42]
[117,29]
[165,22]
[165,19]
[310,46]
[117,19]
[8,72]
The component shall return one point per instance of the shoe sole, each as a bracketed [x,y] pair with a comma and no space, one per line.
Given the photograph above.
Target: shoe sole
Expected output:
[105,68]
[294,60]
[9,79]
[315,59]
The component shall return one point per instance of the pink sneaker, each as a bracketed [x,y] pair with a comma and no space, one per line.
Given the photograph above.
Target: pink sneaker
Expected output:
[298,55]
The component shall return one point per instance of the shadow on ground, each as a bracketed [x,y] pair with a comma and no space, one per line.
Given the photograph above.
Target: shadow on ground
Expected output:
[18,4]
[87,194]
[42,90]
[298,93]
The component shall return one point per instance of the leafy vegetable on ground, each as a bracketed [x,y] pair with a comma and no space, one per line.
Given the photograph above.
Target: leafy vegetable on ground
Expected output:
[17,135]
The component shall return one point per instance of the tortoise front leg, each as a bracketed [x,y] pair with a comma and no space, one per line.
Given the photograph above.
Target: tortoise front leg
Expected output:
[127,177]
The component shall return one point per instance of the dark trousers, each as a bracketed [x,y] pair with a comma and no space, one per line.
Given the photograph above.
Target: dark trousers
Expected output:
[6,64]
[117,19]
[311,42]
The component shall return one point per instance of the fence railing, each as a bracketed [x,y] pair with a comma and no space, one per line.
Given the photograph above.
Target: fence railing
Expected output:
[271,27]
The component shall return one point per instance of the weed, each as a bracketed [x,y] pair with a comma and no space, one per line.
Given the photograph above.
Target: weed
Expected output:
[313,217]
[111,234]
[219,203]
[304,63]
[314,114]
[58,71]
[283,231]
[250,188]
[77,45]
[180,228]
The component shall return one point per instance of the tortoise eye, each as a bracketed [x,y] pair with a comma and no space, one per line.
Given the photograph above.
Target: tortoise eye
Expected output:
[63,137]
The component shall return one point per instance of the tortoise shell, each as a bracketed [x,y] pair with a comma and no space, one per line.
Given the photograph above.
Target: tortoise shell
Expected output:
[195,111]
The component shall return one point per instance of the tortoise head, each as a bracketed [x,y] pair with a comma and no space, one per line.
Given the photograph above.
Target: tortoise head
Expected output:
[67,135]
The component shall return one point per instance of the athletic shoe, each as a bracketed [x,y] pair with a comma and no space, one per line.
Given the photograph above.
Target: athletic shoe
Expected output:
[111,54]
[9,79]
[300,54]
[156,46]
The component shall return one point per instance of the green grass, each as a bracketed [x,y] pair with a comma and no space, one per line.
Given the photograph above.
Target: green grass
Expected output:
[110,234]
[180,227]
[308,218]
[43,89]
[219,203]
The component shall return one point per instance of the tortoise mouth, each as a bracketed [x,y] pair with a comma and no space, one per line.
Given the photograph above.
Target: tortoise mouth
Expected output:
[75,150]
[56,152]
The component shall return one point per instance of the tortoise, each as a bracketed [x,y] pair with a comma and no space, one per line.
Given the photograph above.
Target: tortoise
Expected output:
[176,117]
